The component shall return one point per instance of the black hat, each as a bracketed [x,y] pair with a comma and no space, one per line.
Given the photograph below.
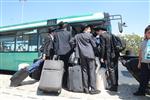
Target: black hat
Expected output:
[62,24]
[83,26]
[51,29]
[97,28]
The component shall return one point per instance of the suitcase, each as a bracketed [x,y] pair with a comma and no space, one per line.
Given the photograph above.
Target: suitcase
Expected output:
[18,77]
[51,76]
[75,79]
[131,66]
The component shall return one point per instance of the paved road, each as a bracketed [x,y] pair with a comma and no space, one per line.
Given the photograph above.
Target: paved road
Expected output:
[28,90]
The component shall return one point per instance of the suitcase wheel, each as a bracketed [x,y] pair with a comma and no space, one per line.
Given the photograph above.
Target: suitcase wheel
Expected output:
[59,91]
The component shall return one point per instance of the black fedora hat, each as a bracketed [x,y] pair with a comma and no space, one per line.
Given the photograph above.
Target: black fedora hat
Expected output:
[97,28]
[83,26]
[51,29]
[62,24]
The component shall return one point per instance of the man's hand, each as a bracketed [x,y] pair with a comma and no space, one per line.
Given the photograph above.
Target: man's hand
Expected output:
[75,61]
[102,60]
[44,57]
[139,66]
[55,57]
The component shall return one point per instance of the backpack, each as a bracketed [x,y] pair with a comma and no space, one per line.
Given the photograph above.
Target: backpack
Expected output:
[118,43]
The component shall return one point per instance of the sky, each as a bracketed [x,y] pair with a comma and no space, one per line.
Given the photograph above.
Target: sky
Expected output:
[135,13]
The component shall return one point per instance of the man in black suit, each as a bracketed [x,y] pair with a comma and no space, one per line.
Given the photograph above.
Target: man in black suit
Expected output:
[62,47]
[47,48]
[84,49]
[110,57]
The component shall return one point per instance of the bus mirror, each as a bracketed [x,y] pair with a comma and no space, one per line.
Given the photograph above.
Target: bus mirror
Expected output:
[120,27]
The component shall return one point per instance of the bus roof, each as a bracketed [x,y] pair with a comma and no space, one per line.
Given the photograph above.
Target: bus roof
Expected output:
[69,19]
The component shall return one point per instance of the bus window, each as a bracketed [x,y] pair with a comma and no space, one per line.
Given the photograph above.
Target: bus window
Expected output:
[33,42]
[7,43]
[42,39]
[43,34]
[26,41]
[22,43]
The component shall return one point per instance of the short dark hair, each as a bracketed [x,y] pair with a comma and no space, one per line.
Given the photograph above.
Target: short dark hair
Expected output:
[147,29]
[62,24]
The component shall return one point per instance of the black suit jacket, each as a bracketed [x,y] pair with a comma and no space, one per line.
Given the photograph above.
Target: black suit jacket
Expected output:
[84,45]
[61,42]
[47,46]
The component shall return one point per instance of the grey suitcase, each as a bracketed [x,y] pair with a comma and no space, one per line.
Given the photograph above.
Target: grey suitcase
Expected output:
[51,76]
[75,79]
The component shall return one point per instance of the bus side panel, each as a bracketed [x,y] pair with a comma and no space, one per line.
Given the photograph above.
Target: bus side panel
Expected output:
[10,61]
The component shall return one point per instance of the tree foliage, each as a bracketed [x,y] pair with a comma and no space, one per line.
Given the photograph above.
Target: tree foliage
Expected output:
[132,42]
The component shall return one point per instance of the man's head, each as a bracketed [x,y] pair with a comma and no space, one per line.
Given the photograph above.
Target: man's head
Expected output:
[86,28]
[62,25]
[51,30]
[99,30]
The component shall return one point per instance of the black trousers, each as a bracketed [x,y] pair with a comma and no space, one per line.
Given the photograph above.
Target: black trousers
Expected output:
[88,73]
[112,75]
[116,72]
[65,59]
[144,76]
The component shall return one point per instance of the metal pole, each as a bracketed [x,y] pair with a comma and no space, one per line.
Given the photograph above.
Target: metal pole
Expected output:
[1,14]
[22,9]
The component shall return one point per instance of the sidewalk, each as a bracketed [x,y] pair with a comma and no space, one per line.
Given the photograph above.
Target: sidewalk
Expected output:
[28,90]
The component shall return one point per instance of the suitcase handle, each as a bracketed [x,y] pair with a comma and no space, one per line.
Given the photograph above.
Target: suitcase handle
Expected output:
[56,57]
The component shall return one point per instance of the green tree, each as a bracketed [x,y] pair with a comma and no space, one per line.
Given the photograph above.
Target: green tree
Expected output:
[132,42]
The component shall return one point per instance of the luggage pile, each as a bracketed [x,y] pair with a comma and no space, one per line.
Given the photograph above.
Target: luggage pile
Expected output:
[50,75]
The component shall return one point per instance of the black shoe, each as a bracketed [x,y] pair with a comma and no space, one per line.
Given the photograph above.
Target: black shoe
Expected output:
[115,89]
[86,91]
[95,92]
[139,93]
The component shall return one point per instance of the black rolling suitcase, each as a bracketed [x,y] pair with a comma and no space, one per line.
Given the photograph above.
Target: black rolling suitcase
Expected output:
[51,76]
[18,77]
[131,66]
[75,79]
